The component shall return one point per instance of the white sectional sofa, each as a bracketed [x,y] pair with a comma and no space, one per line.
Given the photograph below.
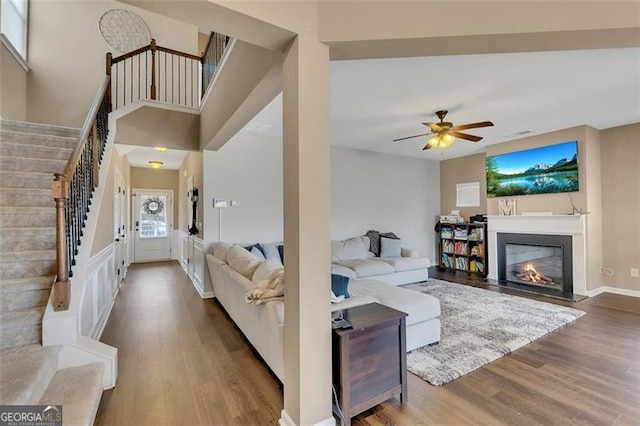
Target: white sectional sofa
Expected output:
[263,325]
[353,258]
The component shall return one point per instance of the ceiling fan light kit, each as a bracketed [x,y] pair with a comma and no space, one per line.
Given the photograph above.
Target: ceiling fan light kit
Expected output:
[444,132]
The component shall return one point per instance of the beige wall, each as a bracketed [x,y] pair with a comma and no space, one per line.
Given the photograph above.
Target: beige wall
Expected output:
[593,190]
[157,179]
[462,170]
[192,166]
[620,152]
[105,229]
[67,55]
[13,87]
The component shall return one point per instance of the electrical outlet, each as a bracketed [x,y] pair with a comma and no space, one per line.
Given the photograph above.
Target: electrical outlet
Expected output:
[635,273]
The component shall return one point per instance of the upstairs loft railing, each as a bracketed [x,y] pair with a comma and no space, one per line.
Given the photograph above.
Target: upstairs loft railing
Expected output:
[158,73]
[150,72]
[73,189]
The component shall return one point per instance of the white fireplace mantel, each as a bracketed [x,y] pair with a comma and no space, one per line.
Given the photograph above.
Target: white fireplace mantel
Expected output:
[572,225]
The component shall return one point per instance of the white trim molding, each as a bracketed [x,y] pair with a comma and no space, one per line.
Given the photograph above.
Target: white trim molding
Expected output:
[286,420]
[613,290]
[191,257]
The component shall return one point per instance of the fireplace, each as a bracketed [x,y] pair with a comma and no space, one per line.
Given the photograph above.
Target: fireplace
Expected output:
[541,263]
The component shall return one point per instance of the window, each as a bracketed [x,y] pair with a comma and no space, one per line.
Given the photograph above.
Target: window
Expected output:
[14,24]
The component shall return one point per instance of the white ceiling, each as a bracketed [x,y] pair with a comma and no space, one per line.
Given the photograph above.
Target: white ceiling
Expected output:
[375,101]
[139,156]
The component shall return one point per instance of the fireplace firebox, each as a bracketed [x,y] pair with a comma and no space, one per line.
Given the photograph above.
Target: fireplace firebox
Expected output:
[541,263]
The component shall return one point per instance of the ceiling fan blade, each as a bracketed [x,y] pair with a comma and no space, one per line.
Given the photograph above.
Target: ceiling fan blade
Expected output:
[409,137]
[434,127]
[426,147]
[472,125]
[466,136]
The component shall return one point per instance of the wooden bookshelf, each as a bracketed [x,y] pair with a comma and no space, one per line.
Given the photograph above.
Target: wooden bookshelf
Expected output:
[463,247]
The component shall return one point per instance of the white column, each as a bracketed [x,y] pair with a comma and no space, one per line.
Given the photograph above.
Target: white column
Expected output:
[307,332]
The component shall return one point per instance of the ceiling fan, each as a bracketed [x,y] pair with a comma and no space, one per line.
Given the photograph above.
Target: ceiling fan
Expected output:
[444,132]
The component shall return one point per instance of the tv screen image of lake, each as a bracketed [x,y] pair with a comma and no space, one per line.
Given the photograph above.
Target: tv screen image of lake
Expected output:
[544,170]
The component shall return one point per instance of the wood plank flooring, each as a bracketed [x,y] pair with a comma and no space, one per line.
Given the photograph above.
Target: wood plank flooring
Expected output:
[182,361]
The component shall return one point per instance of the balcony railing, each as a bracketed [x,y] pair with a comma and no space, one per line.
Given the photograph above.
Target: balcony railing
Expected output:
[150,72]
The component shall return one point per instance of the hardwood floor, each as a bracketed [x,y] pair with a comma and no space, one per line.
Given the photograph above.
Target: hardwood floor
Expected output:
[182,361]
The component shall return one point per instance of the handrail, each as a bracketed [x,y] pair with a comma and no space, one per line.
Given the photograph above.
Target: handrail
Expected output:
[131,54]
[178,53]
[87,127]
[72,192]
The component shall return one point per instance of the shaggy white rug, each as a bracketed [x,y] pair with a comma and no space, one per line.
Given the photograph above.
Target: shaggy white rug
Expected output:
[480,326]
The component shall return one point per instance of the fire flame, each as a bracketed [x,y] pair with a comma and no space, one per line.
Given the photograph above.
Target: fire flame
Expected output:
[530,274]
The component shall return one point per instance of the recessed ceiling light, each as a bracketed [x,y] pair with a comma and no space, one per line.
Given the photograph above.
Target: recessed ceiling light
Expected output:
[155,164]
[160,148]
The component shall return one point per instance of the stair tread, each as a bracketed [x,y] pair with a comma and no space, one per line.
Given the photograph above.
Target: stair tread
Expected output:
[26,284]
[38,128]
[25,173]
[21,318]
[79,390]
[28,256]
[21,210]
[28,230]
[22,145]
[26,372]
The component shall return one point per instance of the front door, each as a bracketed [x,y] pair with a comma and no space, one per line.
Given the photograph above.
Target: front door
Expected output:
[153,225]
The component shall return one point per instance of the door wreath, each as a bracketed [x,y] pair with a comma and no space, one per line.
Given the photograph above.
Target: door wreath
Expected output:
[153,205]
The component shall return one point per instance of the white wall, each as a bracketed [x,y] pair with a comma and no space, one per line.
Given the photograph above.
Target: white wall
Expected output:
[368,191]
[387,193]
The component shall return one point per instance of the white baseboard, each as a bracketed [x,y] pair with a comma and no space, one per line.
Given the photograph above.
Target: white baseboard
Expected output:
[613,290]
[286,420]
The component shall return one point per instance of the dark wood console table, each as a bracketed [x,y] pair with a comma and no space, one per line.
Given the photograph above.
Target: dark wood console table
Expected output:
[370,359]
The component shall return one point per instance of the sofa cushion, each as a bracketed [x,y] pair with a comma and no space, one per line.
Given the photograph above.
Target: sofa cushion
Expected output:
[406,263]
[265,270]
[242,261]
[220,250]
[367,267]
[352,302]
[419,306]
[390,247]
[344,271]
[353,248]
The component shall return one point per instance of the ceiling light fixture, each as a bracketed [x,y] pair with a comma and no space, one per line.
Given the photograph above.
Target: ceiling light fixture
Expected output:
[160,148]
[155,164]
[442,140]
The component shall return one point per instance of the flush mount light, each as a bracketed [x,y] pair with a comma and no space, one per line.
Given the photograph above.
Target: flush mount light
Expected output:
[155,164]
[160,148]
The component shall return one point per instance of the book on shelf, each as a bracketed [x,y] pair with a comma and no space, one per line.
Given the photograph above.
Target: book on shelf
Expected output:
[446,233]
[460,233]
[447,246]
[447,260]
[462,263]
[476,266]
[477,250]
[460,248]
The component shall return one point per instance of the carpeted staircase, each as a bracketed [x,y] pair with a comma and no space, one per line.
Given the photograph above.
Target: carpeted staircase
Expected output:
[29,155]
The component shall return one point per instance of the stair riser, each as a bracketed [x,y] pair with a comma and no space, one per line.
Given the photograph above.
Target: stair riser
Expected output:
[15,164]
[16,300]
[36,268]
[39,140]
[17,198]
[20,336]
[25,180]
[46,220]
[24,127]
[16,150]
[44,241]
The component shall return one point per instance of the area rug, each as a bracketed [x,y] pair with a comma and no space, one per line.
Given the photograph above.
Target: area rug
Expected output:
[480,326]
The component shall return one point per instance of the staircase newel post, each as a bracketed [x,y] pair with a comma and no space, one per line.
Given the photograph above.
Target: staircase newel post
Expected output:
[61,288]
[108,70]
[153,69]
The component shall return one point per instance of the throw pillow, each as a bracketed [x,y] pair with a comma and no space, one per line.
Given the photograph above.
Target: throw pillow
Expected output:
[271,251]
[390,247]
[257,253]
[374,241]
[242,261]
[353,248]
[266,270]
[281,253]
[257,246]
[340,285]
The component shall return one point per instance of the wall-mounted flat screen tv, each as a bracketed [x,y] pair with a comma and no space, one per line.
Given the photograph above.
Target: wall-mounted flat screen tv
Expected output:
[544,170]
